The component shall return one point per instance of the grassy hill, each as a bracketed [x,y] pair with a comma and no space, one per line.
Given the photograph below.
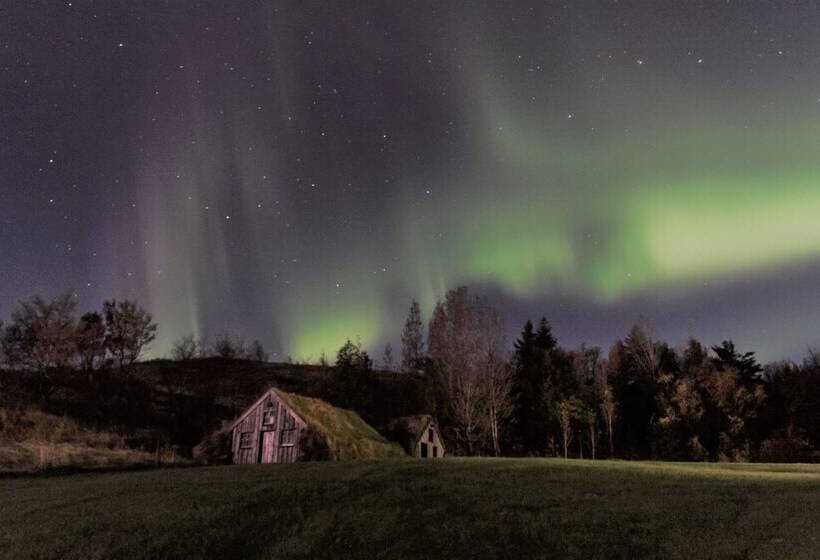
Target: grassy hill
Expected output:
[163,409]
[452,508]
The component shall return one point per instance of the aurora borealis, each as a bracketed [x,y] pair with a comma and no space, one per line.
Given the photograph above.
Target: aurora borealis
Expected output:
[298,172]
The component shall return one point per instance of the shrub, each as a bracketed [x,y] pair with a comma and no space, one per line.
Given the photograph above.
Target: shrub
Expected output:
[215,449]
[784,448]
[313,446]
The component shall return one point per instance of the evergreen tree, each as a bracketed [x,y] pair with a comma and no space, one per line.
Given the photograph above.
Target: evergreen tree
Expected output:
[530,409]
[412,339]
[745,364]
[544,340]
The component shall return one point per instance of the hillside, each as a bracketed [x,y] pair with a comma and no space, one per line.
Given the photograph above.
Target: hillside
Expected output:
[456,508]
[160,412]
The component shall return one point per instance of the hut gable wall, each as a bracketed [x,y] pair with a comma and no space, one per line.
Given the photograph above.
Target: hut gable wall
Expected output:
[429,443]
[267,432]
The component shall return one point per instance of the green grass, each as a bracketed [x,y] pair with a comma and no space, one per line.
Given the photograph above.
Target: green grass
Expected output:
[452,508]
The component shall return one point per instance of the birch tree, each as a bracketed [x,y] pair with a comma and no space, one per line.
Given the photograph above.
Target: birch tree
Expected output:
[592,427]
[466,345]
[565,421]
[609,411]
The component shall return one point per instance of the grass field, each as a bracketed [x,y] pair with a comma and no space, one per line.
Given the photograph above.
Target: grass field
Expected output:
[455,508]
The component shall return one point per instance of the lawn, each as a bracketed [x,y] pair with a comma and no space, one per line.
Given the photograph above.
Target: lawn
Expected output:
[454,508]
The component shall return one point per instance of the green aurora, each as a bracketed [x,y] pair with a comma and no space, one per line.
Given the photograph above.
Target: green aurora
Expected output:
[660,211]
[583,171]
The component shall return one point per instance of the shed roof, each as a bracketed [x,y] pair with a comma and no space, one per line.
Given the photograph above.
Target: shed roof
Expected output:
[346,434]
[408,430]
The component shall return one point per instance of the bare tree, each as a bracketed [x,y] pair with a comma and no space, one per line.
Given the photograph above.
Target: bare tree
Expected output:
[186,348]
[466,407]
[644,351]
[256,352]
[565,414]
[453,342]
[495,372]
[466,343]
[592,426]
[128,330]
[226,347]
[91,341]
[412,339]
[42,334]
[499,402]
[453,337]
[42,337]
[609,410]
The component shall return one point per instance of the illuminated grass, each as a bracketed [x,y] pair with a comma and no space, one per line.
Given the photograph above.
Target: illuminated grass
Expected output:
[457,508]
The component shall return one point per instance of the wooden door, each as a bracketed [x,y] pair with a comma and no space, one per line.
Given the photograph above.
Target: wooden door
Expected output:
[268,447]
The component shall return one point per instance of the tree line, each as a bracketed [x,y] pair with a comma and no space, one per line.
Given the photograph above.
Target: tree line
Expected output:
[641,399]
[46,337]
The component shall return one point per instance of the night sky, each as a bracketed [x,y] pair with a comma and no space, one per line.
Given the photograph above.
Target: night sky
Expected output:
[297,172]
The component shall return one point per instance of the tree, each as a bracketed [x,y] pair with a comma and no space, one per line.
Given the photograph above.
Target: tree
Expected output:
[495,373]
[532,365]
[794,399]
[642,351]
[498,399]
[454,350]
[228,348]
[42,337]
[42,334]
[129,329]
[91,341]
[638,368]
[256,352]
[466,342]
[609,411]
[740,405]
[544,340]
[592,425]
[352,357]
[412,339]
[186,348]
[727,357]
[387,357]
[565,416]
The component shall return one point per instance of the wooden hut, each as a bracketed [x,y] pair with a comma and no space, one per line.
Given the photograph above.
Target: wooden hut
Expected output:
[418,435]
[275,429]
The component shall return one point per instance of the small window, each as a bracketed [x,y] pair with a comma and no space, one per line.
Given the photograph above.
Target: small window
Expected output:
[430,434]
[245,440]
[288,438]
[269,415]
[288,421]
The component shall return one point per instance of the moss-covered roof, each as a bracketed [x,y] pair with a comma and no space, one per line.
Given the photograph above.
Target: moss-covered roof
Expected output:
[407,430]
[347,435]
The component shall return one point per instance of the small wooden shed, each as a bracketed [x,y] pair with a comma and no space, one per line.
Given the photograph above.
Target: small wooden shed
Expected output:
[418,435]
[271,430]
